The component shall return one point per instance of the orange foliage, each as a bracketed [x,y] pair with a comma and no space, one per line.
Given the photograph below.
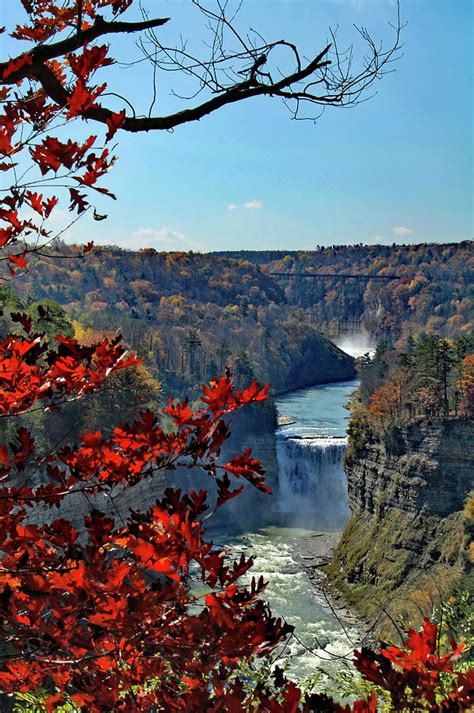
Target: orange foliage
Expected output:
[386,401]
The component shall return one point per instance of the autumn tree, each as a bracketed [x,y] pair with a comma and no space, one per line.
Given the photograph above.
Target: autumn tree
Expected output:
[386,402]
[446,358]
[466,384]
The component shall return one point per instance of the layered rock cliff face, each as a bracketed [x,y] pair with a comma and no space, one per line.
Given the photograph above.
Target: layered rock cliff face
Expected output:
[406,542]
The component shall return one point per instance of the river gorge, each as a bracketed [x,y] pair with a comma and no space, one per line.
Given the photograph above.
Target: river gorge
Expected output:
[300,525]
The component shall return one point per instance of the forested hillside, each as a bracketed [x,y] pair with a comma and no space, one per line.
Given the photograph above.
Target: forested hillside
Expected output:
[434,290]
[430,377]
[194,314]
[190,315]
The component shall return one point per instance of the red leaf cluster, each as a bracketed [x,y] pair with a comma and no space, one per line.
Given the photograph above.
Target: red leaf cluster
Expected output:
[114,609]
[48,17]
[413,675]
[31,372]
[28,119]
[53,154]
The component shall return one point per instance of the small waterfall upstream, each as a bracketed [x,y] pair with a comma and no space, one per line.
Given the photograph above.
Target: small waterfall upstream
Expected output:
[312,480]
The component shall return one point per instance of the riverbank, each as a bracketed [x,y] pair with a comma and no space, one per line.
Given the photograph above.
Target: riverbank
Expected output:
[312,552]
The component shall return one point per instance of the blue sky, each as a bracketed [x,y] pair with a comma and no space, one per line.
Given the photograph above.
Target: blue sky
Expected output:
[397,168]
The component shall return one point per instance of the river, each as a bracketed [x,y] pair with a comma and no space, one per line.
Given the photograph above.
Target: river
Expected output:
[312,499]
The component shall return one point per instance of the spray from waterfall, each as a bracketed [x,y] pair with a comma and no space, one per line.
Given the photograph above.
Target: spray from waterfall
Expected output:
[356,344]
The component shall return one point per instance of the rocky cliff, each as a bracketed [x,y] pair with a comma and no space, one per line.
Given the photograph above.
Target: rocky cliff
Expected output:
[251,427]
[406,543]
[316,361]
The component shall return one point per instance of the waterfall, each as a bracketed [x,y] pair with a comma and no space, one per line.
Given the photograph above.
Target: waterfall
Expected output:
[311,479]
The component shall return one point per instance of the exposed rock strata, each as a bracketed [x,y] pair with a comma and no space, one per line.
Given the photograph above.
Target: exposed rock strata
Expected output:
[405,544]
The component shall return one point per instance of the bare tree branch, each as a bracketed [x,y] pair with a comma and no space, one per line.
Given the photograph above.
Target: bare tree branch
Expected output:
[237,67]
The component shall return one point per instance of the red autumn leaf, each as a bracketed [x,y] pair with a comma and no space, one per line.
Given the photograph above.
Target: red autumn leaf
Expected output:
[115,122]
[253,393]
[82,98]
[191,682]
[90,59]
[219,611]
[78,201]
[91,440]
[12,217]
[249,468]
[19,260]
[14,65]
[6,148]
[83,699]
[181,413]
[239,569]
[97,166]
[35,201]
[48,206]
[223,491]
[52,153]
[292,697]
[219,396]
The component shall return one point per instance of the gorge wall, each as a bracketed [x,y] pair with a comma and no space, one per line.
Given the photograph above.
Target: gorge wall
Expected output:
[407,541]
[316,360]
[251,427]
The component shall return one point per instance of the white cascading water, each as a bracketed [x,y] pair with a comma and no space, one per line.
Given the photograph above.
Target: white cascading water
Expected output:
[311,478]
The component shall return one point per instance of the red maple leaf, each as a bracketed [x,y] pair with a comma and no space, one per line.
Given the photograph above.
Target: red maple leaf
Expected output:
[19,260]
[114,122]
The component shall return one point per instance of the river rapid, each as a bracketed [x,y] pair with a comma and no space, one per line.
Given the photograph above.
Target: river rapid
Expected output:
[311,503]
